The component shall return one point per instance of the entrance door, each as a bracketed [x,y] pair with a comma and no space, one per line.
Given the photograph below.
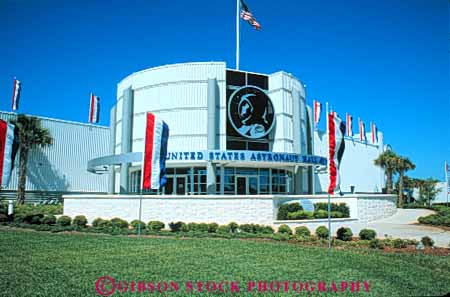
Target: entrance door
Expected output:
[181,184]
[246,185]
[241,185]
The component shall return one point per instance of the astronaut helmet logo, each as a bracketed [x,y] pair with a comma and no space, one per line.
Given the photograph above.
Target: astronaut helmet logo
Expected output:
[250,112]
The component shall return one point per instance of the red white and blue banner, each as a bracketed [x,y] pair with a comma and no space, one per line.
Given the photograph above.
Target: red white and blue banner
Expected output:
[336,147]
[374,133]
[362,130]
[7,152]
[94,109]
[317,110]
[349,124]
[16,95]
[154,163]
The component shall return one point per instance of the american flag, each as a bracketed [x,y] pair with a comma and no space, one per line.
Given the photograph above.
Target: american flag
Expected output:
[246,15]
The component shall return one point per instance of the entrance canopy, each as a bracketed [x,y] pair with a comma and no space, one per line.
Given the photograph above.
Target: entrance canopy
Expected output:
[98,165]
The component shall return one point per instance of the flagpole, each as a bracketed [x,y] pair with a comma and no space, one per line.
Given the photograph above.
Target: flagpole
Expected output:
[446,180]
[237,33]
[328,165]
[140,213]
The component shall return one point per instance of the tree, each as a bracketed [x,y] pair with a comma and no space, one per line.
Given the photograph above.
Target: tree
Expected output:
[428,190]
[31,134]
[402,164]
[387,161]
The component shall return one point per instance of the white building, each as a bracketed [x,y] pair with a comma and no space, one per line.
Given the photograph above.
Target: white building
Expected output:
[231,133]
[61,168]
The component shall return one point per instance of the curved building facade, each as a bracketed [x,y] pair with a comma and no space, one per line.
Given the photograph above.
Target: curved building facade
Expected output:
[231,132]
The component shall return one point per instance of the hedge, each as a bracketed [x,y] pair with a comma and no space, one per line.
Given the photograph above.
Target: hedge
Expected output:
[302,231]
[64,221]
[367,234]
[80,221]
[287,208]
[344,234]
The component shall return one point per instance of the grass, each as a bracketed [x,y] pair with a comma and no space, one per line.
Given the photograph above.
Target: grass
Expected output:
[45,264]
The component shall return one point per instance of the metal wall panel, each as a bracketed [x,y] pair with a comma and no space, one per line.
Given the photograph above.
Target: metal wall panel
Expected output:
[62,166]
[173,72]
[178,94]
[357,166]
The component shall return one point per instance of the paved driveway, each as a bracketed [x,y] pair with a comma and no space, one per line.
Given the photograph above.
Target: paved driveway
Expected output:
[401,225]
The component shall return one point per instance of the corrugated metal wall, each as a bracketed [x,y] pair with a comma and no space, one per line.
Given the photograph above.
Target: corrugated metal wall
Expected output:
[178,94]
[62,166]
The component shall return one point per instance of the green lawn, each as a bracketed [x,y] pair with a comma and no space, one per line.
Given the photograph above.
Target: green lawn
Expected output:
[44,264]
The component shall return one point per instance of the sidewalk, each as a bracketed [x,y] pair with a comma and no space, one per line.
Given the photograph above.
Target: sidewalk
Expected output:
[401,225]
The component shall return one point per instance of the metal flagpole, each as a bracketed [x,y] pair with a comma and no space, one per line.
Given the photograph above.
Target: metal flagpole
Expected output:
[140,213]
[238,6]
[446,179]
[328,165]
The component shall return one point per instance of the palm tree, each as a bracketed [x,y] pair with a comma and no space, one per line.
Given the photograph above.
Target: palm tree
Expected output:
[31,134]
[403,164]
[387,162]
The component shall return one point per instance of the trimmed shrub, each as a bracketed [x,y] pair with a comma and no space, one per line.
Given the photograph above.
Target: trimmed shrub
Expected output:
[284,229]
[427,241]
[302,231]
[202,227]
[158,226]
[176,227]
[49,220]
[248,228]
[322,232]
[300,215]
[233,227]
[135,224]
[284,209]
[399,243]
[341,207]
[192,226]
[256,229]
[119,223]
[376,244]
[267,230]
[101,223]
[36,219]
[344,234]
[80,221]
[336,214]
[223,229]
[3,218]
[64,221]
[212,227]
[45,209]
[367,234]
[19,218]
[321,214]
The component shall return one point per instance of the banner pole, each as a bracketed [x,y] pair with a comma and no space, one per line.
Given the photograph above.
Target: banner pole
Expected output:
[446,181]
[328,169]
[237,33]
[140,213]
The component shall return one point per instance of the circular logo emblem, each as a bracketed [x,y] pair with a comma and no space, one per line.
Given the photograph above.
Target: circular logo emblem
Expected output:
[250,112]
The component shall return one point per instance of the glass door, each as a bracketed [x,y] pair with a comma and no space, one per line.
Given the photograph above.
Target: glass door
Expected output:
[181,184]
[241,185]
[246,185]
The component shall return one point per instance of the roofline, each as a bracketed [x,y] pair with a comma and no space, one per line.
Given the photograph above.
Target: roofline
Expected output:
[167,66]
[55,120]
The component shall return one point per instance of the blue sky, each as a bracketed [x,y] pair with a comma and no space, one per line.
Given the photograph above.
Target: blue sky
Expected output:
[385,61]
